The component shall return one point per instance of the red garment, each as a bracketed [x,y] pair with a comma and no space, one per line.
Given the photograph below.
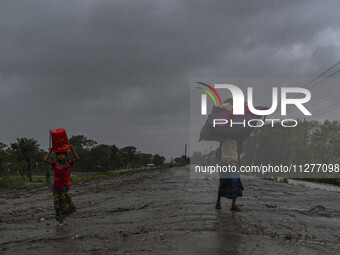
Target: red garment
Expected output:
[62,173]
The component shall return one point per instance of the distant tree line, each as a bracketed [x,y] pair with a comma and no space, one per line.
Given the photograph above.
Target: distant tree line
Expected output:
[25,156]
[308,142]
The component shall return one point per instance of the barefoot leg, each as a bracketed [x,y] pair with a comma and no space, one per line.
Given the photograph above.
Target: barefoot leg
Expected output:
[218,203]
[233,202]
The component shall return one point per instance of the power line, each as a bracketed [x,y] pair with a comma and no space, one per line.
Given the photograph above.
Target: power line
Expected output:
[320,82]
[336,108]
[305,86]
[326,109]
[324,79]
[321,74]
[320,102]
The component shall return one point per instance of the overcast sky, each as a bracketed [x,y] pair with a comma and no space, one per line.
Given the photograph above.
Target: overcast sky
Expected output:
[118,72]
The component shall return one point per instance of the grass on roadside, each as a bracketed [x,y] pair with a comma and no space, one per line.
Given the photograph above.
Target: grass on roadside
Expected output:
[281,180]
[12,182]
[16,181]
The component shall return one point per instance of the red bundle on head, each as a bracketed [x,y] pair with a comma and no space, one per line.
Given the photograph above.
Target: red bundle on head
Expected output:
[59,140]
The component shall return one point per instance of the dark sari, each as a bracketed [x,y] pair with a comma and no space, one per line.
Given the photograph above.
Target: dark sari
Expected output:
[230,184]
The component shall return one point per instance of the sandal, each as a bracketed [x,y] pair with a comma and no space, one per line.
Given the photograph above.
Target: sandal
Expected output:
[235,208]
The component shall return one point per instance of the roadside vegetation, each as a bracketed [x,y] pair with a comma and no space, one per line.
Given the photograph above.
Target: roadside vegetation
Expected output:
[22,165]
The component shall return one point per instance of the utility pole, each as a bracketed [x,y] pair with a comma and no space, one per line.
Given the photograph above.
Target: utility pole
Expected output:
[257,145]
[48,171]
[185,154]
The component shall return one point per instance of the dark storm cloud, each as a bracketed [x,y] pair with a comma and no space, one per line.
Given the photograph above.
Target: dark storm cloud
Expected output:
[118,71]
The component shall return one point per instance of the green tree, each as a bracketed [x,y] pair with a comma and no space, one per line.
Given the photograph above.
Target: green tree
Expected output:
[271,143]
[158,160]
[100,157]
[128,156]
[83,146]
[300,143]
[81,143]
[326,139]
[3,157]
[115,160]
[143,158]
[27,150]
[183,159]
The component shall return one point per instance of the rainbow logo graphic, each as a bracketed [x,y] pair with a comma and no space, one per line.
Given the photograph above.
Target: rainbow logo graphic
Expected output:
[209,93]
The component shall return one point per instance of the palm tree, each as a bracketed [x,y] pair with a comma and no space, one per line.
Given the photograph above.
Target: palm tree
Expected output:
[26,149]
[3,157]
[333,144]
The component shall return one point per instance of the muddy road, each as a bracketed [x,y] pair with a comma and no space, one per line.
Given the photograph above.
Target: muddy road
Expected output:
[167,212]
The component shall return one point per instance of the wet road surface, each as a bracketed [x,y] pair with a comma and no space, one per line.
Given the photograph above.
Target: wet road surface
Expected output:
[167,212]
